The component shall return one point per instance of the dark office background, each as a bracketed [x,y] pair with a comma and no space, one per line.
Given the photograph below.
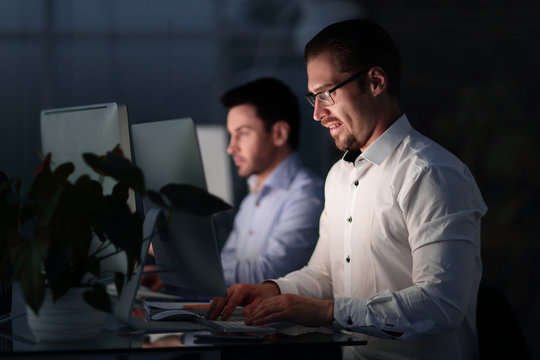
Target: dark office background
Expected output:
[470,82]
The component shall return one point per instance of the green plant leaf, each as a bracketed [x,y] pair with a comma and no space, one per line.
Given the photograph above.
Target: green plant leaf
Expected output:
[122,227]
[9,221]
[117,167]
[57,263]
[27,259]
[193,200]
[119,279]
[98,298]
[46,234]
[64,170]
[121,191]
[156,198]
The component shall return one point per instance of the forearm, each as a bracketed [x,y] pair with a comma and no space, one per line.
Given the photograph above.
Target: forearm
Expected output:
[441,298]
[306,282]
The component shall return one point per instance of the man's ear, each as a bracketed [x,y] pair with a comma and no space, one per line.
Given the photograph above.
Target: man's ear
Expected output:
[377,80]
[280,133]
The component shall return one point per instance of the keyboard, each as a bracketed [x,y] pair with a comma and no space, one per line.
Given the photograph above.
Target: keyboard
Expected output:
[235,315]
[234,326]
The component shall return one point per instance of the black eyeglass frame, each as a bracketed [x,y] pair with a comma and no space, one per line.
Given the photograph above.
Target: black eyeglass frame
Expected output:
[312,98]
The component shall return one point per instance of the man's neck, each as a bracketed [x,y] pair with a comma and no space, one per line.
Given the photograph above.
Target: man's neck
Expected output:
[389,111]
[262,176]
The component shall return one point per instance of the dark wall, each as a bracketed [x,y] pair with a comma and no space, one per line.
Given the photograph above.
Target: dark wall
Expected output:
[469,82]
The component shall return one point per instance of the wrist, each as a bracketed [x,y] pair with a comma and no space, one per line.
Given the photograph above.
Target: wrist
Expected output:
[272,287]
[330,312]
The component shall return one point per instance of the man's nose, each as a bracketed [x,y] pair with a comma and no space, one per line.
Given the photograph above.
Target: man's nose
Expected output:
[319,110]
[230,147]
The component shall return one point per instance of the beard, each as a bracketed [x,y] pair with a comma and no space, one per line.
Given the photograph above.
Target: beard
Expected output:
[347,143]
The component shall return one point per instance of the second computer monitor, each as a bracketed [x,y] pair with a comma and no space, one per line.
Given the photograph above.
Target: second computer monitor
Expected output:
[187,254]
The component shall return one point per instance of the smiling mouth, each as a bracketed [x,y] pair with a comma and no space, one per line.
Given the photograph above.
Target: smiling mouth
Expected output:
[333,126]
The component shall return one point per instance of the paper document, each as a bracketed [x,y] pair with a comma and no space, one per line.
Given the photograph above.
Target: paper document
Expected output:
[179,310]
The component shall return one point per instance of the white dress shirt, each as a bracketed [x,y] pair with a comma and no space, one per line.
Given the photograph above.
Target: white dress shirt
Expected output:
[399,249]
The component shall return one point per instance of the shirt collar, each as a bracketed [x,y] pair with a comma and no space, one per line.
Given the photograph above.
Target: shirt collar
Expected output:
[282,175]
[352,155]
[384,145]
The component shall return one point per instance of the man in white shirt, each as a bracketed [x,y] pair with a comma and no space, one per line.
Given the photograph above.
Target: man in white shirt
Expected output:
[398,255]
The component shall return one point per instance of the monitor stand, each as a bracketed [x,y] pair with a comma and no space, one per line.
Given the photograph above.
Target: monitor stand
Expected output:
[123,309]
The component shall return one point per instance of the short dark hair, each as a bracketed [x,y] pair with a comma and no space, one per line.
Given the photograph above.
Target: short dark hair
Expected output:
[358,44]
[274,102]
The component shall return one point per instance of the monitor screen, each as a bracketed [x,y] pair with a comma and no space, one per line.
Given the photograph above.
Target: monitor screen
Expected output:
[186,253]
[213,142]
[69,132]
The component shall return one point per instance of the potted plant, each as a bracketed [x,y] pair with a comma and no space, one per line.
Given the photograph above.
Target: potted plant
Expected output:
[46,234]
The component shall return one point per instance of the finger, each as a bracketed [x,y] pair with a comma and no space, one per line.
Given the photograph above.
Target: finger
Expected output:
[255,310]
[228,309]
[235,297]
[157,285]
[216,307]
[268,311]
[250,308]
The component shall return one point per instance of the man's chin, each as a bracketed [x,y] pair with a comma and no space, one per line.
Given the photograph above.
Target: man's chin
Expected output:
[345,144]
[341,145]
[243,173]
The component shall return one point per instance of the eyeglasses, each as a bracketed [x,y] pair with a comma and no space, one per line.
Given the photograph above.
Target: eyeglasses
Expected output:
[325,97]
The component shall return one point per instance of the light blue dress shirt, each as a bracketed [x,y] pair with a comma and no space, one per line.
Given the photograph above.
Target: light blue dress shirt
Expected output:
[276,229]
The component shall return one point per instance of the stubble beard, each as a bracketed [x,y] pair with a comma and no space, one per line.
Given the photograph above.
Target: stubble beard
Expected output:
[345,144]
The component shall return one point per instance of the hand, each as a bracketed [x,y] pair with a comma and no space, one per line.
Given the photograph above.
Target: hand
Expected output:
[241,295]
[293,308]
[151,281]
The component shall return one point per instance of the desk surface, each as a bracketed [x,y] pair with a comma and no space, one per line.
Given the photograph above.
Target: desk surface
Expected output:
[17,340]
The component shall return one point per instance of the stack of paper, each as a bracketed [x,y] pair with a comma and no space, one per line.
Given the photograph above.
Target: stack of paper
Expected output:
[179,311]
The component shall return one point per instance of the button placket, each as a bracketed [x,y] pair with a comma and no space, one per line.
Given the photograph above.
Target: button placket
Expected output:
[348,237]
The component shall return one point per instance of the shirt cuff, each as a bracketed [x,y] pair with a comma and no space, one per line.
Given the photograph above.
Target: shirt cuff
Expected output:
[285,286]
[349,313]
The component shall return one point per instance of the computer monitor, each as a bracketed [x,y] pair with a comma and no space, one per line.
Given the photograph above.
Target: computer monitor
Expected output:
[186,253]
[69,132]
[213,142]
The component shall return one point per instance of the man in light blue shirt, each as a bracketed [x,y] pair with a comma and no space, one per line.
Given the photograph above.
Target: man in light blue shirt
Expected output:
[276,227]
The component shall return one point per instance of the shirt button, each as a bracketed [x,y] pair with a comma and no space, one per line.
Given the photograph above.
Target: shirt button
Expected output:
[250,232]
[257,203]
[349,219]
[356,183]
[348,259]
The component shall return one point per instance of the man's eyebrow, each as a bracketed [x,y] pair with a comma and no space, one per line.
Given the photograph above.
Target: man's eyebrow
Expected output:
[322,88]
[241,127]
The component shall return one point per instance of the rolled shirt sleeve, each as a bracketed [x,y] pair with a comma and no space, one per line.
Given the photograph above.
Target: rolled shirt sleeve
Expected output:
[399,247]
